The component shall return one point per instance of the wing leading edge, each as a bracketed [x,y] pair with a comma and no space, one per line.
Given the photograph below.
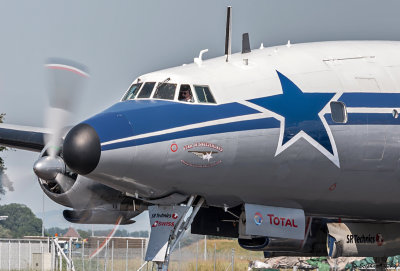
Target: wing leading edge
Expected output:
[23,137]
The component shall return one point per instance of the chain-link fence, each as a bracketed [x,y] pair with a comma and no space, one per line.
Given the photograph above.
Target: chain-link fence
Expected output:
[119,254]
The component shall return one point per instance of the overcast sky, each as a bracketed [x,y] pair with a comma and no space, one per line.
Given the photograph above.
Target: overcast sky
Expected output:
[120,40]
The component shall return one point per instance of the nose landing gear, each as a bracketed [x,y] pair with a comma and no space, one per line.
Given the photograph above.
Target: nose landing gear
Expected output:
[168,224]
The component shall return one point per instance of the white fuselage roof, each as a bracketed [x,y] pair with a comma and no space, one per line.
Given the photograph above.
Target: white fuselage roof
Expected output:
[314,67]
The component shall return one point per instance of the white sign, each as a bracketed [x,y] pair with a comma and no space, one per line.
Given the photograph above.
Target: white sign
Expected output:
[163,220]
[275,221]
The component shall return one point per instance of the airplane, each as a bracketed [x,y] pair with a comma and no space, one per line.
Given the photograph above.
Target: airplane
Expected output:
[291,149]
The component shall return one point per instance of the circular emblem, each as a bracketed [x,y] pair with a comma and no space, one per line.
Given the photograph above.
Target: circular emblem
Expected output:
[174,147]
[379,239]
[174,215]
[258,218]
[332,187]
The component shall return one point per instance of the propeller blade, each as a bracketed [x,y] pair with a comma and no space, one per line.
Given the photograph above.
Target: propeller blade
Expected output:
[66,84]
[64,182]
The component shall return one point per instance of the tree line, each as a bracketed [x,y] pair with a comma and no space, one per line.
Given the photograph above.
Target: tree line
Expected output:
[88,233]
[22,222]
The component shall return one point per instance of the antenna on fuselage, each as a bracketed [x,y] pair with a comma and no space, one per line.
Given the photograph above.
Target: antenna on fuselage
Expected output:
[245,43]
[228,33]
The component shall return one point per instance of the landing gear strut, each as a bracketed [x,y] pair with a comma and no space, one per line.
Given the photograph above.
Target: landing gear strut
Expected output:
[179,231]
[168,225]
[380,263]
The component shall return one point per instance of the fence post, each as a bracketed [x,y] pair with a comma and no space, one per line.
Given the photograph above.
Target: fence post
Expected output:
[205,247]
[233,259]
[30,255]
[90,259]
[197,253]
[41,251]
[180,256]
[215,256]
[19,255]
[142,249]
[0,253]
[53,258]
[126,260]
[70,253]
[97,256]
[9,252]
[112,255]
[83,255]
[105,257]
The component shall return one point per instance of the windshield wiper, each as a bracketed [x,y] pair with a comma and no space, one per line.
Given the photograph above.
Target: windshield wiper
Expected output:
[163,82]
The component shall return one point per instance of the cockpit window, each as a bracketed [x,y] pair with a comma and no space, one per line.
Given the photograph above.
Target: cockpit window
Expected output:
[146,90]
[131,94]
[165,91]
[185,94]
[204,95]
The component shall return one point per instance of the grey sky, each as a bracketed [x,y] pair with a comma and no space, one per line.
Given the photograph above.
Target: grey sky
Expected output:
[119,40]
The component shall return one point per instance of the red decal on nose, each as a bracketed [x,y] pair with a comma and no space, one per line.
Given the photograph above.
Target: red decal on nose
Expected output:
[174,147]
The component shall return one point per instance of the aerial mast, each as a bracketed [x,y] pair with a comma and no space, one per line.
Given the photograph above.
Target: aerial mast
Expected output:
[228,33]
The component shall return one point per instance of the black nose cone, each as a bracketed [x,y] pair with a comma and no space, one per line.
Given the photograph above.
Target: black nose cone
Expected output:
[82,149]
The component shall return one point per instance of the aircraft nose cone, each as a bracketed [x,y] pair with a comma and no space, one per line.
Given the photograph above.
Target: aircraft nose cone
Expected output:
[82,149]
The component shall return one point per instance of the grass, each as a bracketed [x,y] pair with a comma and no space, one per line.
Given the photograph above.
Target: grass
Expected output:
[185,259]
[223,255]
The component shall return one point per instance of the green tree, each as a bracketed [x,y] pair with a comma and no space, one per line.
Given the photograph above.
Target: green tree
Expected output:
[84,234]
[2,167]
[5,233]
[21,220]
[56,230]
[139,234]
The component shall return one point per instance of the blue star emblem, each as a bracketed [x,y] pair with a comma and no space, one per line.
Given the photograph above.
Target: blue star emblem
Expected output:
[300,113]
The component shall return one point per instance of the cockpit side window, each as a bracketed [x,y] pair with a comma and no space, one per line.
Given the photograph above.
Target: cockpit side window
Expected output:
[185,94]
[131,93]
[146,90]
[204,95]
[165,91]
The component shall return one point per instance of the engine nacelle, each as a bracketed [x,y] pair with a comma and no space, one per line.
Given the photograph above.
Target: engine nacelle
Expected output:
[322,236]
[313,245]
[98,216]
[363,239]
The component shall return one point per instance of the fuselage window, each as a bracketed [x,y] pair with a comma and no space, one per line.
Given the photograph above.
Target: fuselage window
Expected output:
[338,112]
[146,90]
[165,91]
[204,95]
[185,94]
[132,92]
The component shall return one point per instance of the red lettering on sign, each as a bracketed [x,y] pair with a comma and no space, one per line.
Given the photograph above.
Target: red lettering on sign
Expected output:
[270,218]
[163,224]
[286,222]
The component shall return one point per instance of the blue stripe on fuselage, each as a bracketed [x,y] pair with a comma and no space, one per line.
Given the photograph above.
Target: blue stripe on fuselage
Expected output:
[215,129]
[375,100]
[146,116]
[366,118]
[136,117]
